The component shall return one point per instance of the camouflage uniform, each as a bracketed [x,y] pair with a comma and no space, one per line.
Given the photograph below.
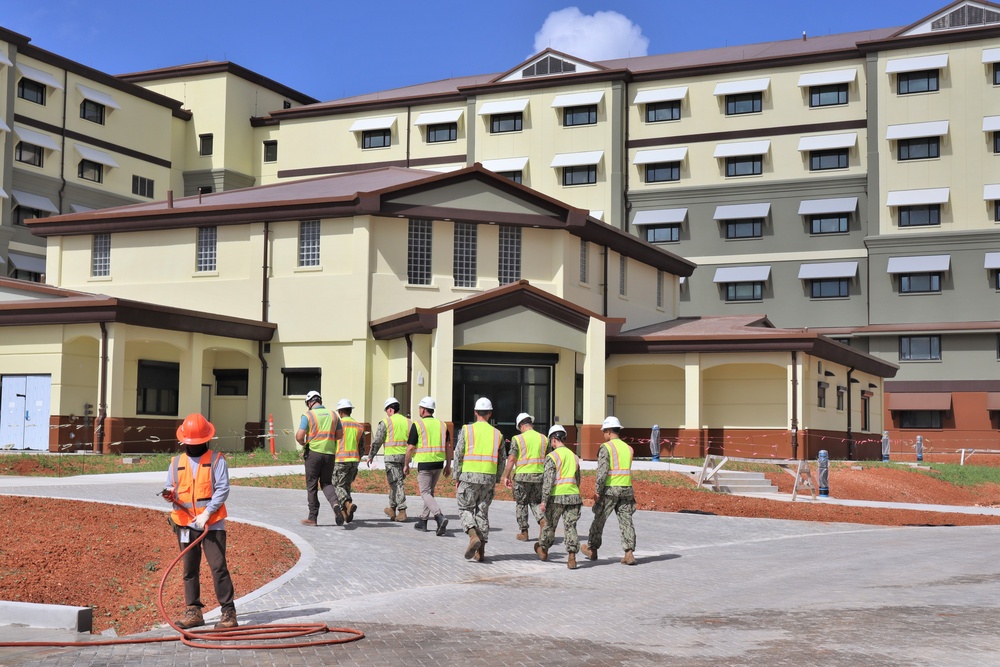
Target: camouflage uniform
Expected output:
[618,500]
[527,491]
[393,469]
[343,477]
[475,491]
[565,506]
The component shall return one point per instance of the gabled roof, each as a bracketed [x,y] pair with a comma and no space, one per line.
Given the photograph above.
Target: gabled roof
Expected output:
[958,15]
[215,67]
[545,60]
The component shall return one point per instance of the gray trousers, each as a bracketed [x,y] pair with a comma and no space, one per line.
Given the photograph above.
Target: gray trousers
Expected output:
[426,481]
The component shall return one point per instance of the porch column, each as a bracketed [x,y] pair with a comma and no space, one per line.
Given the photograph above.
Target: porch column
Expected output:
[442,365]
[594,390]
[192,361]
[692,435]
[114,390]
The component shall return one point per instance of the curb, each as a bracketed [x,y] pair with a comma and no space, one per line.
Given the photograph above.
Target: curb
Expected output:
[53,616]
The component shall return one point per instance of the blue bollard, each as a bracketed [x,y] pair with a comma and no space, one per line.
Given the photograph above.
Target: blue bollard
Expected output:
[824,473]
[885,445]
[920,448]
[654,442]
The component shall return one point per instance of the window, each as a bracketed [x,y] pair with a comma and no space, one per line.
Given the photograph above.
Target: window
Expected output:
[515,176]
[442,132]
[866,413]
[31,91]
[920,419]
[464,270]
[749,228]
[659,289]
[920,216]
[916,283]
[841,392]
[29,154]
[231,382]
[548,65]
[662,172]
[829,288]
[660,111]
[585,115]
[22,213]
[205,189]
[584,273]
[622,275]
[309,243]
[207,249]
[920,348]
[142,186]
[418,254]
[300,381]
[505,122]
[376,139]
[835,223]
[582,175]
[91,171]
[206,144]
[270,151]
[92,111]
[157,388]
[669,233]
[828,96]
[821,394]
[744,165]
[918,149]
[746,103]
[509,269]
[752,291]
[285,104]
[996,211]
[917,82]
[100,255]
[996,142]
[832,159]
[996,74]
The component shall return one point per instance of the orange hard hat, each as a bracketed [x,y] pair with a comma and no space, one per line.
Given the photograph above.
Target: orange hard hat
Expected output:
[195,429]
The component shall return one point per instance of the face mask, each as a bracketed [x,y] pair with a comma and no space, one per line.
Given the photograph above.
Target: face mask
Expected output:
[194,451]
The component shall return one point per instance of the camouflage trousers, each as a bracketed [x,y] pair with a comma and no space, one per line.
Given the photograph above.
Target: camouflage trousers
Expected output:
[570,515]
[474,507]
[343,477]
[397,490]
[527,495]
[624,507]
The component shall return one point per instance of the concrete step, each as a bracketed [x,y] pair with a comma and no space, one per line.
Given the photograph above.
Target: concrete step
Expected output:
[732,481]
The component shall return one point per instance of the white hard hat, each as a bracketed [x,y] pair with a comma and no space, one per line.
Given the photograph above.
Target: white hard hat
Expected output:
[521,417]
[556,429]
[611,422]
[484,404]
[428,402]
[313,396]
[344,404]
[390,401]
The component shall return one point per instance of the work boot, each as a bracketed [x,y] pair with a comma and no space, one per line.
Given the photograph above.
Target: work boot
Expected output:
[480,556]
[401,516]
[308,522]
[543,553]
[391,513]
[571,562]
[228,620]
[588,552]
[522,536]
[442,523]
[421,524]
[474,543]
[351,509]
[339,513]
[192,618]
[629,559]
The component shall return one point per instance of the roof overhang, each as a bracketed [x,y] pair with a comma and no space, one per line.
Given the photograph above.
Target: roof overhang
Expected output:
[926,401]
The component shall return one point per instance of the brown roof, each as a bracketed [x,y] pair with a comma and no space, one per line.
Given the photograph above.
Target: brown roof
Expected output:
[213,67]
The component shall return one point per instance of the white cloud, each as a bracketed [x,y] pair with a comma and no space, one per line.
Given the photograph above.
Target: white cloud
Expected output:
[602,36]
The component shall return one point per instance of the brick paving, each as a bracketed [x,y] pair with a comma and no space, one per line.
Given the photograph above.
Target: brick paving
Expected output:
[708,590]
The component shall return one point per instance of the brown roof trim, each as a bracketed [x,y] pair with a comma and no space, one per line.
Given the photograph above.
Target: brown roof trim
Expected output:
[546,82]
[15,38]
[70,134]
[931,38]
[361,166]
[549,51]
[859,124]
[215,67]
[334,108]
[918,386]
[927,326]
[747,65]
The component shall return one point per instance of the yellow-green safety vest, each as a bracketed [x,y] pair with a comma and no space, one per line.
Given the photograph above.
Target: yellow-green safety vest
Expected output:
[397,429]
[530,452]
[347,446]
[621,463]
[566,467]
[322,429]
[430,448]
[482,447]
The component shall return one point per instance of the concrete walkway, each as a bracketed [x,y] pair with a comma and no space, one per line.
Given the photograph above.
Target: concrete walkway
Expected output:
[708,590]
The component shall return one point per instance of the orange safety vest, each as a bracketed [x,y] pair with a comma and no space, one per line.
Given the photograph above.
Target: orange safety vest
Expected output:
[193,492]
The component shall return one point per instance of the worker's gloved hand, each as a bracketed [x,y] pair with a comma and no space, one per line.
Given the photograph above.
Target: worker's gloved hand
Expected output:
[200,521]
[168,495]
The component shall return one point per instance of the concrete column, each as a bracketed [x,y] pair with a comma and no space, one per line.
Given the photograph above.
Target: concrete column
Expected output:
[192,360]
[692,391]
[442,365]
[594,390]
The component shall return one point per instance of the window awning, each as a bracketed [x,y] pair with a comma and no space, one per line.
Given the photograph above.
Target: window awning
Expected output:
[919,264]
[37,202]
[993,400]
[991,192]
[663,216]
[917,197]
[927,401]
[38,75]
[578,99]
[742,211]
[366,124]
[3,195]
[597,215]
[97,96]
[660,95]
[742,148]
[899,65]
[828,141]
[991,124]
[27,262]
[503,106]
[506,164]
[577,159]
[740,87]
[937,128]
[991,56]
[828,270]
[828,78]
[660,155]
[78,208]
[820,206]
[36,138]
[3,126]
[742,274]
[4,60]
[438,117]
[992,260]
[95,155]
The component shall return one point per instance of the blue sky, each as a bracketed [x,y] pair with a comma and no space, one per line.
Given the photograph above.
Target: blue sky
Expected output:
[336,48]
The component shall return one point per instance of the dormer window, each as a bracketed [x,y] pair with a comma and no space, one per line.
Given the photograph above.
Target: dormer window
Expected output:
[548,65]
